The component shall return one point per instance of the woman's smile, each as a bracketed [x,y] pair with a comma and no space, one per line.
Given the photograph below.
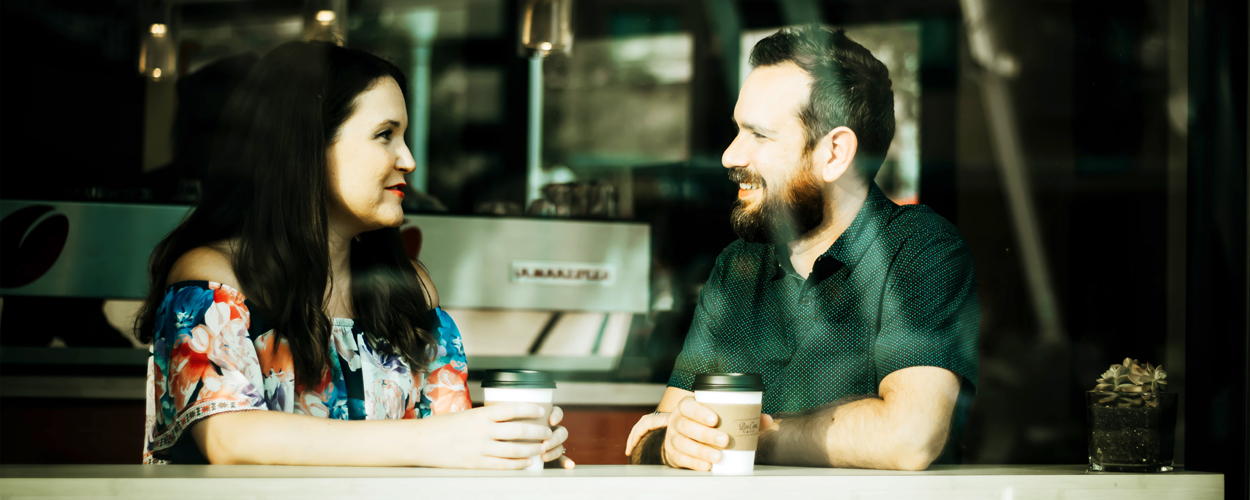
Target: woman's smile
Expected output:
[397,190]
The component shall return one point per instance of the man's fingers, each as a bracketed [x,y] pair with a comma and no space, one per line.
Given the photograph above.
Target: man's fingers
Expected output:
[508,431]
[697,412]
[687,446]
[702,433]
[504,412]
[633,439]
[681,460]
[645,424]
[556,416]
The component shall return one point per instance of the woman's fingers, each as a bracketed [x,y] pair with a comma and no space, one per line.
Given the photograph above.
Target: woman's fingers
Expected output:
[508,431]
[555,459]
[506,449]
[556,416]
[558,436]
[504,412]
[564,462]
[495,463]
[553,454]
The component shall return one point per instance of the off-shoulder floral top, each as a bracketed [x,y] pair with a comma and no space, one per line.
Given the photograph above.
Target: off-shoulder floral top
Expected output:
[211,354]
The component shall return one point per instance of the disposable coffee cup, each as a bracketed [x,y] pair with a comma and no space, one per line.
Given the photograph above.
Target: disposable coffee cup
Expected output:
[737,399]
[521,386]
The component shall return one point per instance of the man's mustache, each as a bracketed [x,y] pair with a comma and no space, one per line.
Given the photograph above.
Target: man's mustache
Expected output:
[744,176]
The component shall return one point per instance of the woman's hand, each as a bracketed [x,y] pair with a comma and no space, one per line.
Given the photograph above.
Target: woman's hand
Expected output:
[486,438]
[553,449]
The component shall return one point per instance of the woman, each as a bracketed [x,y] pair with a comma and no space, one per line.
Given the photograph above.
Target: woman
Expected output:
[251,295]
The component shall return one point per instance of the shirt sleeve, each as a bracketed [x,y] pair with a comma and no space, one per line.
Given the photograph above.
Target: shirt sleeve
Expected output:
[698,354]
[445,389]
[203,364]
[930,315]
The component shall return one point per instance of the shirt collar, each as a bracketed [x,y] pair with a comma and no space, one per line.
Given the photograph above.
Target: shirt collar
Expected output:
[851,245]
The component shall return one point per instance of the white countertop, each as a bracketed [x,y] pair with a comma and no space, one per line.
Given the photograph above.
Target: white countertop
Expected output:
[1002,482]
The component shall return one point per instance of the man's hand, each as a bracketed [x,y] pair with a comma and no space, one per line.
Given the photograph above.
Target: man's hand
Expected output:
[645,425]
[691,441]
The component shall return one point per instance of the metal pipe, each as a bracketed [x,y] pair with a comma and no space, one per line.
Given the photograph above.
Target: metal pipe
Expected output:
[534,167]
[1013,166]
[419,118]
[423,24]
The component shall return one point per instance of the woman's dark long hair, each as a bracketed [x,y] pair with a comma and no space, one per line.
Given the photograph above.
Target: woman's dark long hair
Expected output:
[267,188]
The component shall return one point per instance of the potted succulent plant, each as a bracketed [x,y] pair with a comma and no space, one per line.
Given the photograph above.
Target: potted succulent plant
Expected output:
[1132,419]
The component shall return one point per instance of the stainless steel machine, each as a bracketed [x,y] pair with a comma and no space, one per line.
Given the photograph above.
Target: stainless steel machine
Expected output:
[559,295]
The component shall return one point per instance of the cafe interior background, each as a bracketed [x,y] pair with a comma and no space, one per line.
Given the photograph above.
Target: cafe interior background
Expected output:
[1092,154]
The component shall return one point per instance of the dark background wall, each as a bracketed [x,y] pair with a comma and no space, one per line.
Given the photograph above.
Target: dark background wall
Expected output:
[1092,105]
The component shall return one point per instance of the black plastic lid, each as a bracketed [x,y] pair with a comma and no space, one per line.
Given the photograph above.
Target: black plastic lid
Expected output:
[734,382]
[518,379]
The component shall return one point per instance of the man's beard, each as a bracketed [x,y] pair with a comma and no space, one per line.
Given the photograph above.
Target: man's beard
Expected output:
[787,212]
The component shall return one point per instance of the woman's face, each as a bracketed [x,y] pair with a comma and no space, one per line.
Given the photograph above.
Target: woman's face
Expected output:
[368,160]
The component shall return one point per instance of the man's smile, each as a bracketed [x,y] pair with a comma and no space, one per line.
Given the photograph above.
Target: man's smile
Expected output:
[747,189]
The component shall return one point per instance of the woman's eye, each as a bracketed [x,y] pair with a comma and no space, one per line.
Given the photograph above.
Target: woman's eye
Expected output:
[385,134]
[758,136]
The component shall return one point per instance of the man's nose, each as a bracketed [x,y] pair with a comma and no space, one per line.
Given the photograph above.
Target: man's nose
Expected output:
[735,155]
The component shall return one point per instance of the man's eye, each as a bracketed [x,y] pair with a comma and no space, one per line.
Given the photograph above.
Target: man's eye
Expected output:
[385,134]
[758,136]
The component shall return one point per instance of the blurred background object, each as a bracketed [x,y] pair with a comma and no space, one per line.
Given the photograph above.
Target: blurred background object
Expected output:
[1092,154]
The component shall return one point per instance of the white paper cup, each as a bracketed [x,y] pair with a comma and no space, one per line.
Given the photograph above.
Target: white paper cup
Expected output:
[508,386]
[737,399]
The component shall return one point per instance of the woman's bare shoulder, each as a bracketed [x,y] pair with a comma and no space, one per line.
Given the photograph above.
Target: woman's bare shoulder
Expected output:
[431,293]
[206,263]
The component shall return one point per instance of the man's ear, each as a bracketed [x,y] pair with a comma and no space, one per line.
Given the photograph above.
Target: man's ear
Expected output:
[835,154]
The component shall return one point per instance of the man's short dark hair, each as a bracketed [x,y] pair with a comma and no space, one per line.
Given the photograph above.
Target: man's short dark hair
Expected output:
[850,88]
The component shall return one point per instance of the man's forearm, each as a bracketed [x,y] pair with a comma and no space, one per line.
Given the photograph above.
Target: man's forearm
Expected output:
[800,438]
[650,448]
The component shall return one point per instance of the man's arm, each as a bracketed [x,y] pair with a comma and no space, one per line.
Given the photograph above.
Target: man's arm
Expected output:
[903,429]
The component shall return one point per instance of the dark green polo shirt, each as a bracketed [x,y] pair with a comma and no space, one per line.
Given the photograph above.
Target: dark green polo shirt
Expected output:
[896,290]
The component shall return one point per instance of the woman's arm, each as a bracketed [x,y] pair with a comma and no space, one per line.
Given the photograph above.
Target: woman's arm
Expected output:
[474,439]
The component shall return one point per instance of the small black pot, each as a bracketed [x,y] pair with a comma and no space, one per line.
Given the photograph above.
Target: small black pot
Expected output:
[1129,433]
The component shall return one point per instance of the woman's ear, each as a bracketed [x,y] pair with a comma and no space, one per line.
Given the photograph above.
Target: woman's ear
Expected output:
[836,153]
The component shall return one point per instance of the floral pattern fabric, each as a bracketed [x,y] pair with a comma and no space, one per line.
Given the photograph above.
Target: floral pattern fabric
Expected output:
[207,359]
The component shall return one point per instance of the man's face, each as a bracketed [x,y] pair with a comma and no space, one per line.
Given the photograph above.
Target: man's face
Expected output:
[780,198]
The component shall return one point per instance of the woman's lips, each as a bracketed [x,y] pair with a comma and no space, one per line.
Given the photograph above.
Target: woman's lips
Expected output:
[396,192]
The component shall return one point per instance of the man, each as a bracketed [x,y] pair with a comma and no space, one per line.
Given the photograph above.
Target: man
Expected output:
[860,315]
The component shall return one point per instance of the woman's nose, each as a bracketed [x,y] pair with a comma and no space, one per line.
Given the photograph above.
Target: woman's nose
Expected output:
[406,163]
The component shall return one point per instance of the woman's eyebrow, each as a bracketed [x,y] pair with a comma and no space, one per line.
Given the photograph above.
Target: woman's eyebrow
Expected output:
[392,123]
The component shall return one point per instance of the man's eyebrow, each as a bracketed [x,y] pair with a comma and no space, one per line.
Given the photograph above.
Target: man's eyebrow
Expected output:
[755,127]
